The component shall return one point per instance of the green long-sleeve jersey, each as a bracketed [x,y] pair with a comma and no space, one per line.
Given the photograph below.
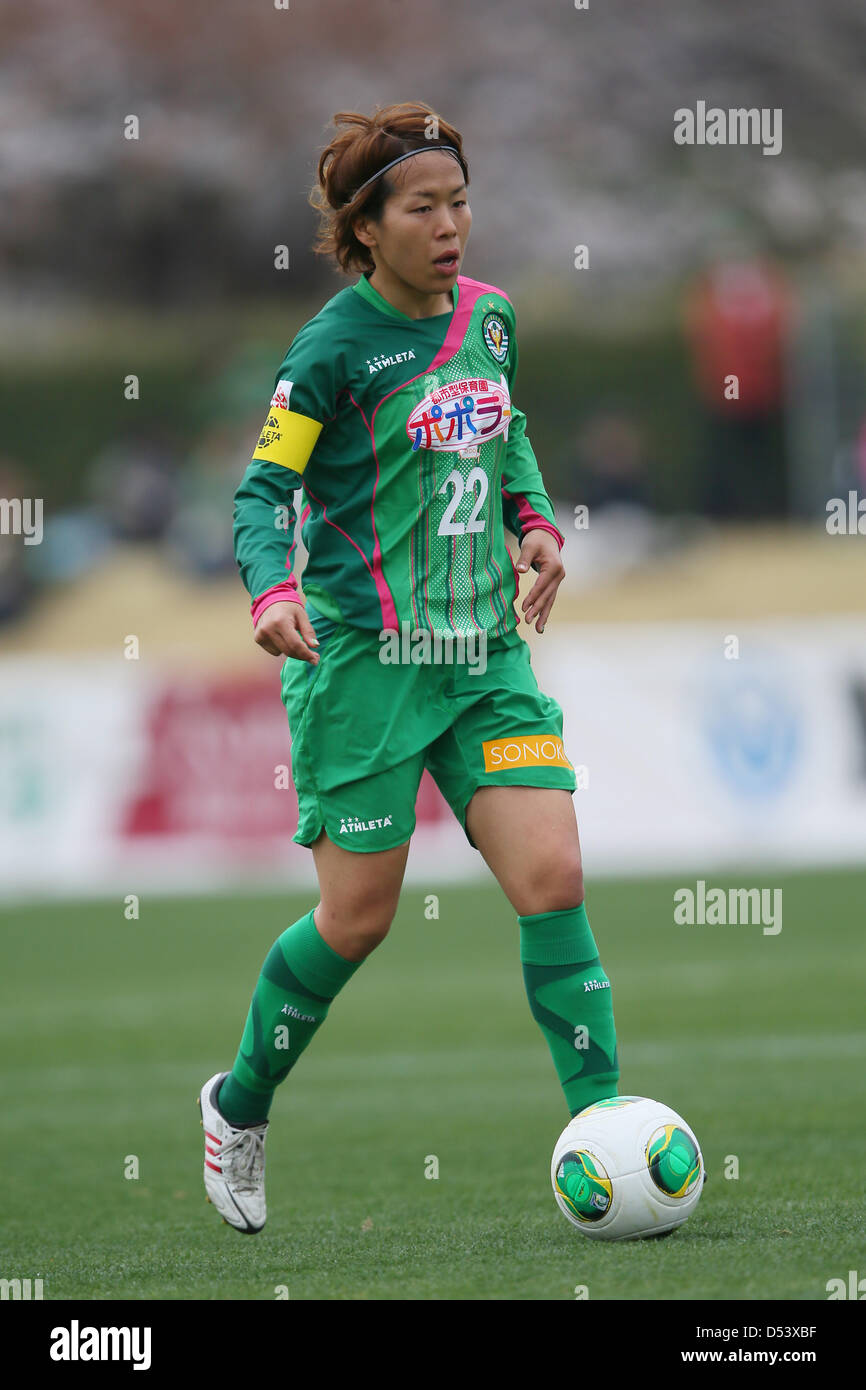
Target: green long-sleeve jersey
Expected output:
[412,459]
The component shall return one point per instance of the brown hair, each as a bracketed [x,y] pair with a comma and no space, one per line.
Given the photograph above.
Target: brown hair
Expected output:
[364,146]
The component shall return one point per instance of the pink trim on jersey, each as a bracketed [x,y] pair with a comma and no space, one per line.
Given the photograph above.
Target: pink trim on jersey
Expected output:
[546,526]
[451,581]
[389,610]
[286,592]
[386,598]
[453,338]
[470,293]
[530,519]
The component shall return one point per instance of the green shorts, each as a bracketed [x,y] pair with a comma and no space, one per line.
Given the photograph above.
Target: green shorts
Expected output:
[364,729]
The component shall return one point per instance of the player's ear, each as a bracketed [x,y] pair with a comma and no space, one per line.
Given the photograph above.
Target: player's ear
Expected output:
[361,229]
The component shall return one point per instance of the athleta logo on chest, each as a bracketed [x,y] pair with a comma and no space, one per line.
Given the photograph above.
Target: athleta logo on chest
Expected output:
[376,364]
[460,415]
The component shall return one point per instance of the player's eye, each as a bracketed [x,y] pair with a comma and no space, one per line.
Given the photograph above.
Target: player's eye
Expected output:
[460,203]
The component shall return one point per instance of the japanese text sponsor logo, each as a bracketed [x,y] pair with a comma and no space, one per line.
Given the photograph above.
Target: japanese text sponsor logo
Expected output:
[460,415]
[524,750]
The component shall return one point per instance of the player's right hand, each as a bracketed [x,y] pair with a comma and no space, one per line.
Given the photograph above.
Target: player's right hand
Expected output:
[285,630]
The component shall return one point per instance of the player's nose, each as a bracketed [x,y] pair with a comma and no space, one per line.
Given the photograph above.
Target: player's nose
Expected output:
[447,225]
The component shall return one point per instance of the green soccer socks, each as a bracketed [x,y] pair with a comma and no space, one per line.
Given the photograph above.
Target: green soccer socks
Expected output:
[301,976]
[569,995]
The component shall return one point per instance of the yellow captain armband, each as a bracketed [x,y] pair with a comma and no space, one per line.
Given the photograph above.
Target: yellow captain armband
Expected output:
[287,438]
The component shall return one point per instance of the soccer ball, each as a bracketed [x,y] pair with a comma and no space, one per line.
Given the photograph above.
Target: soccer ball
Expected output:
[625,1168]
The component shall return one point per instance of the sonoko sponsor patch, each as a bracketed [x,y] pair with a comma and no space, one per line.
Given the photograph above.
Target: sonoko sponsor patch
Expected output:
[524,750]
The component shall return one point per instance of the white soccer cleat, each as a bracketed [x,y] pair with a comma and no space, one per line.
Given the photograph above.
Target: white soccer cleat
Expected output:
[234,1164]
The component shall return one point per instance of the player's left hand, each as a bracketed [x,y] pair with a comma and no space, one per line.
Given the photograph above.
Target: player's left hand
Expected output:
[540,549]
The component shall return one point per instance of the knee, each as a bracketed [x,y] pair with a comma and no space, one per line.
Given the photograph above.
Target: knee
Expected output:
[371,932]
[355,927]
[552,884]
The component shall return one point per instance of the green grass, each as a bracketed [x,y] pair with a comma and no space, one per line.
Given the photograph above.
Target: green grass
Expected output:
[109,1028]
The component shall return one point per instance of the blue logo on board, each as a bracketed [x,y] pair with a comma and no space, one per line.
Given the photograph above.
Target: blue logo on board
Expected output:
[754,734]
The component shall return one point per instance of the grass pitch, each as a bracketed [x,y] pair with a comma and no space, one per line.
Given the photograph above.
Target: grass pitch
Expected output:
[110,1027]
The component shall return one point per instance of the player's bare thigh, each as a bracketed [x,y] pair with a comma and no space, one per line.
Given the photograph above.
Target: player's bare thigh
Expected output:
[528,836]
[359,895]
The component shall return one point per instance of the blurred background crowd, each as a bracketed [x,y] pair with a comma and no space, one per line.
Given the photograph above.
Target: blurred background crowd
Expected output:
[154,257]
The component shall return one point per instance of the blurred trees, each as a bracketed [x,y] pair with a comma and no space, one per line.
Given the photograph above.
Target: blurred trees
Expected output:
[568,117]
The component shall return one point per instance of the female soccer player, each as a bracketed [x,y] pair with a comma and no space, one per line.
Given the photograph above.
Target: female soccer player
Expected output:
[392,410]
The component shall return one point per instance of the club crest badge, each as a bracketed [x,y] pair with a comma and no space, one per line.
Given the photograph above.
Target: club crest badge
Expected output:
[495,336]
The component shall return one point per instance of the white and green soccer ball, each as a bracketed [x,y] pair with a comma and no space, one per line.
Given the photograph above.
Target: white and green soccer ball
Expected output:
[627,1168]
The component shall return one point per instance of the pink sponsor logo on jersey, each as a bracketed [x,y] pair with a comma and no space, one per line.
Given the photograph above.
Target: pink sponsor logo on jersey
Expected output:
[460,415]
